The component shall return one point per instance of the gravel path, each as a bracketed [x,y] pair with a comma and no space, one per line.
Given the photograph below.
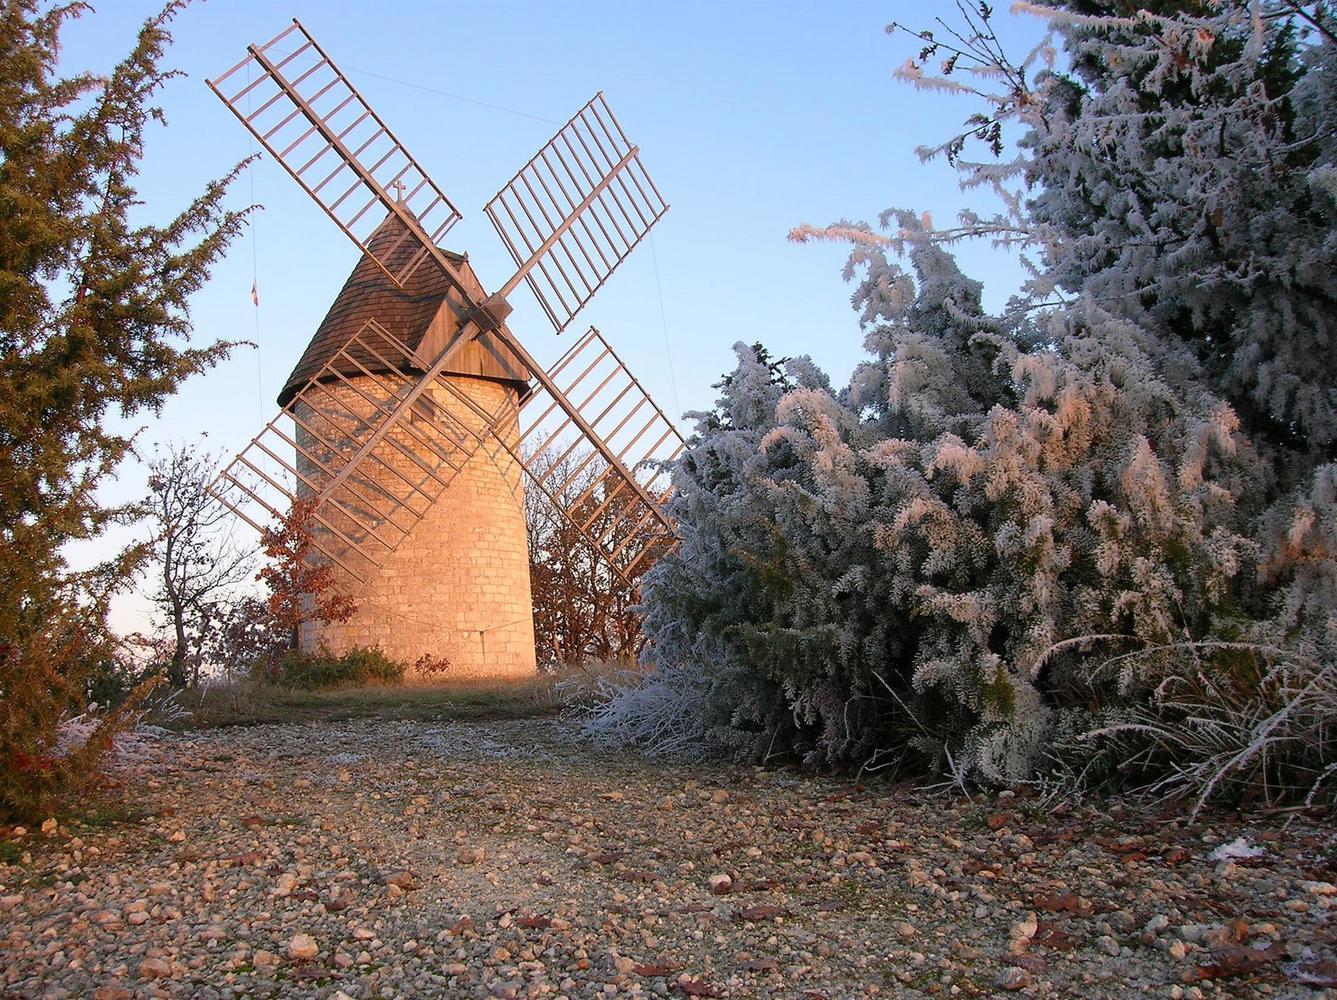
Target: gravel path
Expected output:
[375,859]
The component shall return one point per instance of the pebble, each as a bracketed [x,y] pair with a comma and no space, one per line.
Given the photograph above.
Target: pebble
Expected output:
[1014,979]
[154,968]
[1108,945]
[303,947]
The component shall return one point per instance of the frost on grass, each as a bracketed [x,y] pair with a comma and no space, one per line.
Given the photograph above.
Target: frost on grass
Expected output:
[1096,532]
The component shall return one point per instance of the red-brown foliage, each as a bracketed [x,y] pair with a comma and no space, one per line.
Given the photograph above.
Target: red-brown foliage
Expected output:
[301,589]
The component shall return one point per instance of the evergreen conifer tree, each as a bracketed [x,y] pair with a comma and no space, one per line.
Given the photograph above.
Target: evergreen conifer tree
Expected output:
[93,325]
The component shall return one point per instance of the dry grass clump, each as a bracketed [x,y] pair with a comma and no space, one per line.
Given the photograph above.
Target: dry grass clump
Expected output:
[255,701]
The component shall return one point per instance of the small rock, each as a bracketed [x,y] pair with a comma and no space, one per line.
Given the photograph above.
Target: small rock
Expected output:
[1108,945]
[720,884]
[177,836]
[1014,979]
[154,968]
[1034,964]
[49,825]
[1027,927]
[303,947]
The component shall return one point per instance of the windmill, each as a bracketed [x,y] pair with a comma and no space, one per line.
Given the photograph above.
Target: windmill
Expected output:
[416,418]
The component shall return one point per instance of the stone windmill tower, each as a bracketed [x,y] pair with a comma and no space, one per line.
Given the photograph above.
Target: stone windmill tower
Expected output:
[415,419]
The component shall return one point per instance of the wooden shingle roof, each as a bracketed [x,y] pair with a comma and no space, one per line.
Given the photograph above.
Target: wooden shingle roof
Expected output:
[427,309]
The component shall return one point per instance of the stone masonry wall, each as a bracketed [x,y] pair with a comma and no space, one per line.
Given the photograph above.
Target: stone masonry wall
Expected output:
[458,584]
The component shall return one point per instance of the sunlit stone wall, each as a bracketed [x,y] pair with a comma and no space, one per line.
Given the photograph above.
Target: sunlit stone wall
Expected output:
[458,584]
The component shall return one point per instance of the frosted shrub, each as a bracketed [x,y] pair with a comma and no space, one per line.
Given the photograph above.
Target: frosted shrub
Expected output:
[896,563]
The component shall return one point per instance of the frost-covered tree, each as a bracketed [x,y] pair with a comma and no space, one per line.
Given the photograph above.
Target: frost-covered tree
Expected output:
[1176,162]
[1009,530]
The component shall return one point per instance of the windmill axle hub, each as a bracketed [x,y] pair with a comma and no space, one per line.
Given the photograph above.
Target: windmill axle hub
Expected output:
[491,313]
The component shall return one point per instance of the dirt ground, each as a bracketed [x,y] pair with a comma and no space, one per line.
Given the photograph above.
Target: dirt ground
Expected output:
[382,858]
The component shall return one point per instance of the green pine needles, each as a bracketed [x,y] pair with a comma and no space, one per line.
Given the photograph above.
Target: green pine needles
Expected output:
[93,325]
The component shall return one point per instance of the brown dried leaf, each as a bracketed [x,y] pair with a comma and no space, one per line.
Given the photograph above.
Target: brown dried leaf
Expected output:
[1033,964]
[761,885]
[829,905]
[1123,845]
[536,921]
[1048,935]
[762,911]
[655,969]
[1066,902]
[998,820]
[697,988]
[1235,961]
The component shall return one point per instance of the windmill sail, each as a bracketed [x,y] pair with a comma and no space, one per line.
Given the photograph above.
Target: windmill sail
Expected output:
[575,211]
[305,113]
[620,511]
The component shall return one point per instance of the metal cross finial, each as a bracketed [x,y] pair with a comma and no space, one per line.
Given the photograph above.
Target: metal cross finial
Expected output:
[399,191]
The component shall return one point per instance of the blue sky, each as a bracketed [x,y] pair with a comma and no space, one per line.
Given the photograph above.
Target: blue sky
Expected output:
[752,117]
